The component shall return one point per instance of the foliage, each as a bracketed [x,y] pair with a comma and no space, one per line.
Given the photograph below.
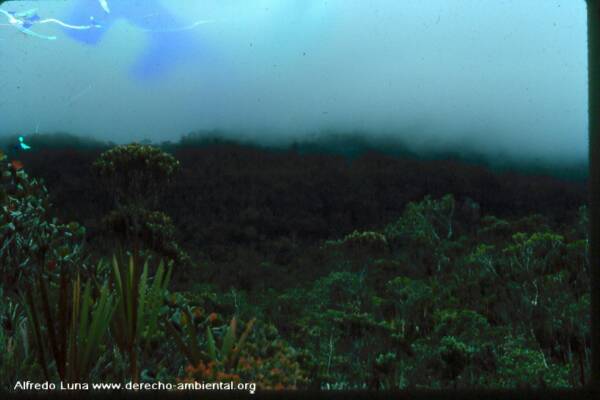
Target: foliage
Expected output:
[222,359]
[68,325]
[136,173]
[416,291]
[153,229]
[426,222]
[31,239]
[271,361]
[265,359]
[359,247]
[15,351]
[520,365]
[136,316]
[426,227]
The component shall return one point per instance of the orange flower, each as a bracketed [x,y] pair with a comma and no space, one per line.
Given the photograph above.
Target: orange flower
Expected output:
[223,377]
[17,165]
[212,317]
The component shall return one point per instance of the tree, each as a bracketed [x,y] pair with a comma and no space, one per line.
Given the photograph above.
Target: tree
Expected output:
[426,228]
[137,175]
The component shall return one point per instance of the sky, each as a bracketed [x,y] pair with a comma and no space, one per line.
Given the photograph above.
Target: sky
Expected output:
[494,75]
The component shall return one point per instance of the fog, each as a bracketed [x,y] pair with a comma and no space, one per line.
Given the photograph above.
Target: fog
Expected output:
[500,76]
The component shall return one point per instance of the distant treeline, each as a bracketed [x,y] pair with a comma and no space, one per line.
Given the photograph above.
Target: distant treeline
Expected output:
[349,145]
[230,193]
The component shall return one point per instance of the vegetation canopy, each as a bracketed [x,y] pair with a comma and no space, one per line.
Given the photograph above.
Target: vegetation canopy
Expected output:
[309,272]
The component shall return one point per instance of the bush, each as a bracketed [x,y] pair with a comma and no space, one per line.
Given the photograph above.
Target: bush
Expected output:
[136,174]
[155,232]
[31,240]
[265,359]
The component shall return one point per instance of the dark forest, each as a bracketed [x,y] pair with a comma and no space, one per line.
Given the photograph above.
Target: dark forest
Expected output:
[329,264]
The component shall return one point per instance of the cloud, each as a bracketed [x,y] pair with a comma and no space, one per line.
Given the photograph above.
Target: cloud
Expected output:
[500,76]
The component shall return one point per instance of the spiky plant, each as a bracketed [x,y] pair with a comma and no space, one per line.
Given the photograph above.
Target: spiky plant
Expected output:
[224,357]
[133,324]
[68,324]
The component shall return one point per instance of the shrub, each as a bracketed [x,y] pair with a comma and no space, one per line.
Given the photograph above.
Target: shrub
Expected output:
[155,232]
[31,240]
[135,173]
[265,359]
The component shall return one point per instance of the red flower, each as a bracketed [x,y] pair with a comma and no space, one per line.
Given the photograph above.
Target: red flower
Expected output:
[17,165]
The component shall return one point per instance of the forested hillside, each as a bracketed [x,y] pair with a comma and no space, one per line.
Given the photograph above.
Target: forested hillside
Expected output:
[289,267]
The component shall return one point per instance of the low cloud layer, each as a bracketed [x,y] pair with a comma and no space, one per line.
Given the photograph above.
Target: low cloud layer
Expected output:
[498,76]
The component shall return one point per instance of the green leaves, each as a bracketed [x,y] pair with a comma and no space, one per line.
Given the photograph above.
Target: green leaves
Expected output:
[424,232]
[127,157]
[136,315]
[73,347]
[136,173]
[210,344]
[153,229]
[472,309]
[225,357]
[30,240]
[519,363]
[534,253]
[425,222]
[370,243]
[92,328]
[228,339]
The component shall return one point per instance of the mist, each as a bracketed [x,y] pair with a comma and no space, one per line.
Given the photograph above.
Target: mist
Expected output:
[497,76]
